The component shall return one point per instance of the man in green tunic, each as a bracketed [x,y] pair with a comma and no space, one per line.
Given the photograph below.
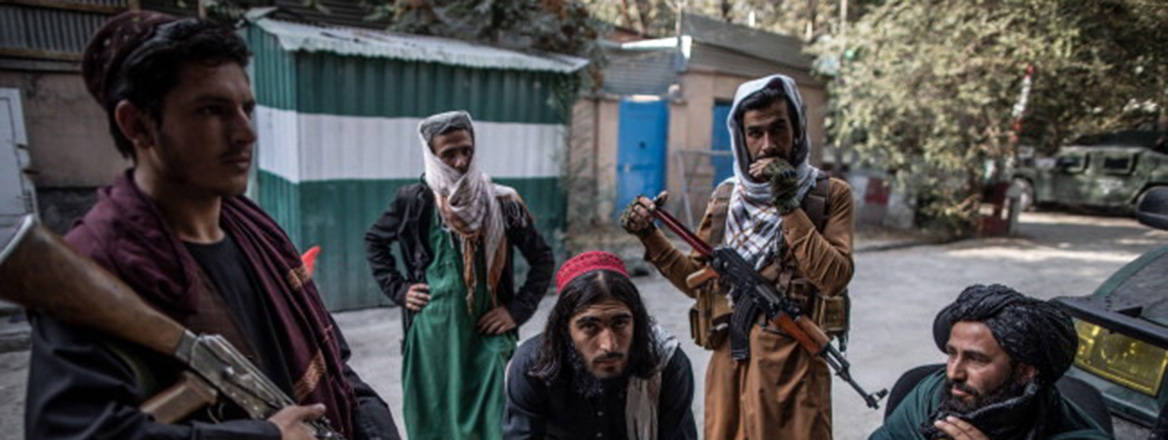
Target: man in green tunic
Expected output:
[455,231]
[1006,351]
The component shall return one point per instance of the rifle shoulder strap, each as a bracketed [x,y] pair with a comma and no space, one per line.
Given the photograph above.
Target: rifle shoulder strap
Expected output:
[815,203]
[720,207]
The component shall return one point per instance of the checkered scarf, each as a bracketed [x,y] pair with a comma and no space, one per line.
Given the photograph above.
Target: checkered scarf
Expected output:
[753,225]
[468,203]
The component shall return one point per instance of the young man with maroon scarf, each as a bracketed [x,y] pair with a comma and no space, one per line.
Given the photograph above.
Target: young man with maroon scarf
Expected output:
[177,229]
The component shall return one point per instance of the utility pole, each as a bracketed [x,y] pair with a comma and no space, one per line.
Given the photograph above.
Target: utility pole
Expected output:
[843,17]
[810,30]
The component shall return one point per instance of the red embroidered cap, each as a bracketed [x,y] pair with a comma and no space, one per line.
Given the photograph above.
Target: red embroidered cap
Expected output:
[587,262]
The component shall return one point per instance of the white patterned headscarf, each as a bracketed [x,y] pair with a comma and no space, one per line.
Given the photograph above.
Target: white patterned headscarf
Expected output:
[753,225]
[643,395]
[467,202]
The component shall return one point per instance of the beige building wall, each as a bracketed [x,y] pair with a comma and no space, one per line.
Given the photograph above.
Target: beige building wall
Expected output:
[592,162]
[68,136]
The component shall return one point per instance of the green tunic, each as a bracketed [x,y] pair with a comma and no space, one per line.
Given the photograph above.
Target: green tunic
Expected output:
[452,376]
[918,404]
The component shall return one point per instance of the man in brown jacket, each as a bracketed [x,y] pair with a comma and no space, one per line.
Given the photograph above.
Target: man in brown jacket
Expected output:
[794,224]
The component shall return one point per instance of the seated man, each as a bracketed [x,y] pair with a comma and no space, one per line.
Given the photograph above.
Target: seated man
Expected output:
[601,369]
[1006,351]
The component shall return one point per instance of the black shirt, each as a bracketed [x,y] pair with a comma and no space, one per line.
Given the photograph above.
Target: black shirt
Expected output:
[536,410]
[235,279]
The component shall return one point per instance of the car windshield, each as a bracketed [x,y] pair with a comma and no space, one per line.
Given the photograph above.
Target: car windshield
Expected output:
[1142,283]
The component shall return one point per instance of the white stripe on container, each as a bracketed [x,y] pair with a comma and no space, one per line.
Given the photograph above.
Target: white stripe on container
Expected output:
[310,147]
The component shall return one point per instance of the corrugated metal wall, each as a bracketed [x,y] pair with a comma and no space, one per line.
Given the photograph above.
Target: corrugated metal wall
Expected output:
[51,29]
[334,212]
[358,86]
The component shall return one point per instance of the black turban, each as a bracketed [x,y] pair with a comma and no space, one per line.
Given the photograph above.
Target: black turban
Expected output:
[1032,331]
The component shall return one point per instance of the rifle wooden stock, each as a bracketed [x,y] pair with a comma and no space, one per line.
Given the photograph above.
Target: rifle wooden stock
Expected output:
[700,277]
[809,335]
[180,400]
[45,274]
[727,263]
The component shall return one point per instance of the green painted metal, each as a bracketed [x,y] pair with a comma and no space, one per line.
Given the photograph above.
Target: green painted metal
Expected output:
[336,213]
[275,70]
[357,86]
[280,198]
[326,83]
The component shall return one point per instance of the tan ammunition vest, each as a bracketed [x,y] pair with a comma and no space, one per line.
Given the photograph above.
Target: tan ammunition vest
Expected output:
[710,315]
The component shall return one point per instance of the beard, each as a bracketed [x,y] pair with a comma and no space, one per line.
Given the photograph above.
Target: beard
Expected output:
[1011,388]
[588,385]
[190,174]
[1012,411]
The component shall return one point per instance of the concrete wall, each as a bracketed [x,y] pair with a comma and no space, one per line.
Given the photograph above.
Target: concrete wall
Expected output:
[70,149]
[591,170]
[69,141]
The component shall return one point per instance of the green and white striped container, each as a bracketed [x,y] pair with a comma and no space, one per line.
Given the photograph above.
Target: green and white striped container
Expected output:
[337,119]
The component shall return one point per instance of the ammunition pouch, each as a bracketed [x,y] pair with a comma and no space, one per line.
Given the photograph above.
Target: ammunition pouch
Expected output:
[710,315]
[709,318]
[830,313]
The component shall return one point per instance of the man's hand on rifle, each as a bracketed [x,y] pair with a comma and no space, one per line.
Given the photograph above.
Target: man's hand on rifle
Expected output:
[417,297]
[784,181]
[292,421]
[637,218]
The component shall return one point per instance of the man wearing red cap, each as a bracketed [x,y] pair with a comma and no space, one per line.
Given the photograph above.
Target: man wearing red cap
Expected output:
[177,229]
[601,368]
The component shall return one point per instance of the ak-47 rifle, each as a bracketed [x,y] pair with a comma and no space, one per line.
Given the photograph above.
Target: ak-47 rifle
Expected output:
[752,293]
[41,272]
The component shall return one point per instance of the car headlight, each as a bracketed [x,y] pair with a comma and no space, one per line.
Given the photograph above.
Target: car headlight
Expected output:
[1129,362]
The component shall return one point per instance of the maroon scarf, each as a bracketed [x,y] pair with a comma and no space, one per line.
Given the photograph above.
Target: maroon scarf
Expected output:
[125,232]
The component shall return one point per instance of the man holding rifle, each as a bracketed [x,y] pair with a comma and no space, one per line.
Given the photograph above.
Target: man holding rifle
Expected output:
[176,229]
[793,224]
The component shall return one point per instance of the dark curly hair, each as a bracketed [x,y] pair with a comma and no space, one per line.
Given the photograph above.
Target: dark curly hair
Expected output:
[583,291]
[152,69]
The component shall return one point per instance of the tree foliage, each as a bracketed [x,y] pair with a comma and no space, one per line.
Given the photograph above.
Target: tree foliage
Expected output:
[926,88]
[808,19]
[559,26]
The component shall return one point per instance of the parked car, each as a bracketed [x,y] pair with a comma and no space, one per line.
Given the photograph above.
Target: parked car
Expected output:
[1123,327]
[1110,171]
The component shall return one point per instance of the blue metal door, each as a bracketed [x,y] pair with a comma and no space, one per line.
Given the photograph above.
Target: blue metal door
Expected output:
[641,137]
[721,142]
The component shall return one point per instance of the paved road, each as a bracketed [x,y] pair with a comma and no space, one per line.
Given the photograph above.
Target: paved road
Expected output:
[895,295]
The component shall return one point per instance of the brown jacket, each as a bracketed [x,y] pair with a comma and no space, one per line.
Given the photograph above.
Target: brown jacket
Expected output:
[781,391]
[823,259]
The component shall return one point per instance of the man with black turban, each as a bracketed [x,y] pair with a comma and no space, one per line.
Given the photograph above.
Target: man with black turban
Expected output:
[1006,351]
